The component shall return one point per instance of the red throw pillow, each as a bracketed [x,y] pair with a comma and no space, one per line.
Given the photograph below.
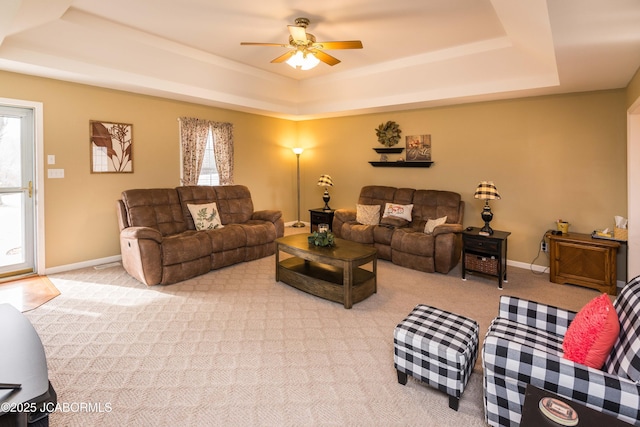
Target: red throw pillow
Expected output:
[592,333]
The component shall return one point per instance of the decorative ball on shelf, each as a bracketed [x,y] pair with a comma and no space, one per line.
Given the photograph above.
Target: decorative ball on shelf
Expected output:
[388,133]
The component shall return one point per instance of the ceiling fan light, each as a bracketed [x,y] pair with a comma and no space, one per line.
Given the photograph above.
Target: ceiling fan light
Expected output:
[296,60]
[303,60]
[311,61]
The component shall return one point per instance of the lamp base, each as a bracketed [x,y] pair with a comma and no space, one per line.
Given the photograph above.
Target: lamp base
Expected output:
[486,230]
[326,199]
[298,224]
[487,216]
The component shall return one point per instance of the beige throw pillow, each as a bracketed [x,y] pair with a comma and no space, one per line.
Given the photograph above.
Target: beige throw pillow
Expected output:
[398,211]
[206,216]
[368,214]
[433,223]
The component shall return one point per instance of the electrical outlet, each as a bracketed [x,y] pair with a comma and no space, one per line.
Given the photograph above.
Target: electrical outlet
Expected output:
[543,246]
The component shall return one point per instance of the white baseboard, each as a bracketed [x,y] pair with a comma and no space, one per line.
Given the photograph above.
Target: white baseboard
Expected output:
[524,265]
[84,264]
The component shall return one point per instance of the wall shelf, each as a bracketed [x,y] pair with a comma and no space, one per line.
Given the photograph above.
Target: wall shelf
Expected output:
[401,164]
[389,150]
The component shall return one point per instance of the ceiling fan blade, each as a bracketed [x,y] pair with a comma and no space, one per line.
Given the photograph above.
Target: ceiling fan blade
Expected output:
[326,58]
[263,44]
[284,57]
[298,34]
[351,44]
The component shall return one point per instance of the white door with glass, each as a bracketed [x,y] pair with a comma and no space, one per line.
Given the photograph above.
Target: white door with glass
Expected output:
[17,201]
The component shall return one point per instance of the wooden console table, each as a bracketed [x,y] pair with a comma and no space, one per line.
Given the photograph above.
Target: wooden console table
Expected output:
[579,259]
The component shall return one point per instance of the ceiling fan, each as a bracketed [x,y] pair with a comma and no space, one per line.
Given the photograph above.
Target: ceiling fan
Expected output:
[304,52]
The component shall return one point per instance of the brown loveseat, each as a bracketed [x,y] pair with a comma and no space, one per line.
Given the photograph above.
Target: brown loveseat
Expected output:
[159,241]
[404,242]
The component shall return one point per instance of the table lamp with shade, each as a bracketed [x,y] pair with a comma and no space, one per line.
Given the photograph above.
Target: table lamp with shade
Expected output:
[486,191]
[326,182]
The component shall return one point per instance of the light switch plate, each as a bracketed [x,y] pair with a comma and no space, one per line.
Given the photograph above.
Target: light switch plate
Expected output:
[55,173]
[51,159]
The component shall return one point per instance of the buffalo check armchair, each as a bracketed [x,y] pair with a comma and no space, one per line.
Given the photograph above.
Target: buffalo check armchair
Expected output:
[524,346]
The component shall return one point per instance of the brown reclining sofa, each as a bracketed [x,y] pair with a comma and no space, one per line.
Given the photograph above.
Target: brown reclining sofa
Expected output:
[159,241]
[404,242]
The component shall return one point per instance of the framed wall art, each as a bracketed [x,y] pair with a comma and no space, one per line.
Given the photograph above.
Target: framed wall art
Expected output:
[418,148]
[111,147]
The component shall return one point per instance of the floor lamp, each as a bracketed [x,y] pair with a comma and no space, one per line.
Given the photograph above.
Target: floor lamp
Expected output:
[297,152]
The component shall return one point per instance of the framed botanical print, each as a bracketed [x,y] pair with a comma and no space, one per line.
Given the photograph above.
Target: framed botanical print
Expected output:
[111,147]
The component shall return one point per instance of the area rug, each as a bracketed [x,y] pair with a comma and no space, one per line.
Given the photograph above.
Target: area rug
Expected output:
[28,293]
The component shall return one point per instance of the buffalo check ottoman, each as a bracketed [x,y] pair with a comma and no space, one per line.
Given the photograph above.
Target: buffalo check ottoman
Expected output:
[438,348]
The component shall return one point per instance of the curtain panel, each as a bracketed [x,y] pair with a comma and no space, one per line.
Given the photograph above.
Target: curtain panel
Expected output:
[223,150]
[193,141]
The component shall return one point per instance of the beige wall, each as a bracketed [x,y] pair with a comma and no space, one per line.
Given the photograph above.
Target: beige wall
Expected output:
[80,221]
[550,157]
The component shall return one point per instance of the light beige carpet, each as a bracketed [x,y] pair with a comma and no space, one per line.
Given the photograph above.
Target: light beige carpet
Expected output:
[235,348]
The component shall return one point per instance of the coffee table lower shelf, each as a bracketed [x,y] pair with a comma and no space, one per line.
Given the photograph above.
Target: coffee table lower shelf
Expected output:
[326,281]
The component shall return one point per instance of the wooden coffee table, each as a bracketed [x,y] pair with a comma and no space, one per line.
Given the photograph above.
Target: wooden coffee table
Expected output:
[332,273]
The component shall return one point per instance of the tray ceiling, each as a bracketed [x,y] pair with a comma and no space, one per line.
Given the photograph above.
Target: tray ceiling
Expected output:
[416,53]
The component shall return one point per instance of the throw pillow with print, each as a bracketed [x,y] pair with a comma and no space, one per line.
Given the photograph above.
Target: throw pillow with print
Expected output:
[398,211]
[205,217]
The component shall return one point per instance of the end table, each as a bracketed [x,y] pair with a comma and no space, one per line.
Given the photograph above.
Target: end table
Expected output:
[485,254]
[320,216]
